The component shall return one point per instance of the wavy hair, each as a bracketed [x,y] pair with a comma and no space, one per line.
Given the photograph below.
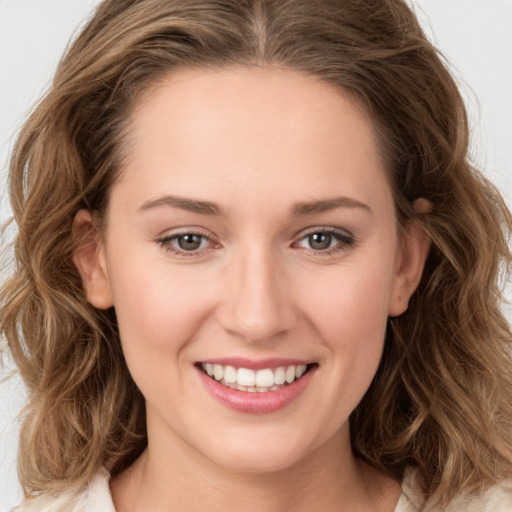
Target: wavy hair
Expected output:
[441,400]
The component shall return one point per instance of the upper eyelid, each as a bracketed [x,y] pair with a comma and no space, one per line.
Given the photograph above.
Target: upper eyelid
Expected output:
[177,235]
[166,243]
[345,240]
[172,234]
[324,229]
[188,230]
[193,230]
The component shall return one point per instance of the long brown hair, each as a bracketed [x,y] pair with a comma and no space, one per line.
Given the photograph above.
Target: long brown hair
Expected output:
[442,398]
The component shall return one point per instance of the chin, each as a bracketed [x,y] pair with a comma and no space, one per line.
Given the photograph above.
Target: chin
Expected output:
[259,453]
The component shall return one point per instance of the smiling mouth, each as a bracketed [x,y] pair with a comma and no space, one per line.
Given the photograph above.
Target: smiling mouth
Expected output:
[255,381]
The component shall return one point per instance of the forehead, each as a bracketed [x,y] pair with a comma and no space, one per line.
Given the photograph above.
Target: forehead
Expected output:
[250,127]
[250,95]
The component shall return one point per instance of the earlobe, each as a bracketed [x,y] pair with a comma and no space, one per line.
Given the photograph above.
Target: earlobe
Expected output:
[415,246]
[89,259]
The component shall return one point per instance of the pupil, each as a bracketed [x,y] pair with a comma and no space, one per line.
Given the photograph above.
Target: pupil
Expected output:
[189,242]
[320,241]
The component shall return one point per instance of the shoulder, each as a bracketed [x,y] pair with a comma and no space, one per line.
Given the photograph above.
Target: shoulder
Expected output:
[495,499]
[92,498]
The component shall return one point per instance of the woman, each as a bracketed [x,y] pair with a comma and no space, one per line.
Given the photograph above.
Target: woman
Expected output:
[254,262]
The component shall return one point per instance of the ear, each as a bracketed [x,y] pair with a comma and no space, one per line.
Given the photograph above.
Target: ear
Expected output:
[89,259]
[414,248]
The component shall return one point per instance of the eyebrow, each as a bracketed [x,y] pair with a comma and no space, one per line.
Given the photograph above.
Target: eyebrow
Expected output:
[190,205]
[324,205]
[297,210]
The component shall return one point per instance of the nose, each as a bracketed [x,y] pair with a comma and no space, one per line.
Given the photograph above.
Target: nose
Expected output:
[258,303]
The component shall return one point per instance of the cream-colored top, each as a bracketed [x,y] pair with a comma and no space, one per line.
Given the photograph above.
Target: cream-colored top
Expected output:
[96,498]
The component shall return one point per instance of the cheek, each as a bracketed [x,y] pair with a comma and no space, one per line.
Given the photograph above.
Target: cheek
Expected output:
[353,301]
[158,308]
[351,321]
[349,312]
[159,314]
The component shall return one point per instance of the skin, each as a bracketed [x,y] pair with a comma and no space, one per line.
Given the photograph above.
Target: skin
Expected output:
[256,143]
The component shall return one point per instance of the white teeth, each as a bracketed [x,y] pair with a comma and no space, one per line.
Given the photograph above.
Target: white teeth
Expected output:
[229,374]
[246,377]
[299,370]
[264,378]
[290,374]
[218,371]
[279,376]
[261,381]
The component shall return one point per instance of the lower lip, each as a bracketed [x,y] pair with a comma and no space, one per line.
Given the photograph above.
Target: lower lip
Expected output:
[257,403]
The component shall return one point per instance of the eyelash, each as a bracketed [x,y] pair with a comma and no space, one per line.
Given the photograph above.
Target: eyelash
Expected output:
[167,243]
[344,241]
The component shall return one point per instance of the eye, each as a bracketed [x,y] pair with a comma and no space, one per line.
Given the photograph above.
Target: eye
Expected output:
[326,240]
[320,241]
[186,244]
[190,242]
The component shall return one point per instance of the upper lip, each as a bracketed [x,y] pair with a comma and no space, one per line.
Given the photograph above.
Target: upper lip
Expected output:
[253,364]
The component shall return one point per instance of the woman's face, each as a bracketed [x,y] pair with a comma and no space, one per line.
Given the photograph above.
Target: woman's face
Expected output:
[252,234]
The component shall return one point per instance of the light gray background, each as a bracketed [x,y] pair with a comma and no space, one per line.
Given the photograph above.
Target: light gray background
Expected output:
[475,36]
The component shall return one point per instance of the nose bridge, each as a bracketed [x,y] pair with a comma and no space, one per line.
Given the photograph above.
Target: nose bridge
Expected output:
[258,305]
